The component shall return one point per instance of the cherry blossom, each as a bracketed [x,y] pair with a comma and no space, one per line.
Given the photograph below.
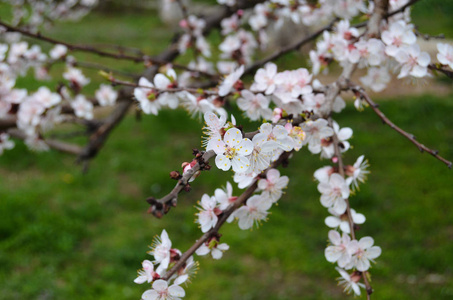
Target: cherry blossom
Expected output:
[334,193]
[146,96]
[315,132]
[229,81]
[161,291]
[297,134]
[341,249]
[147,274]
[58,51]
[358,172]
[5,143]
[273,185]
[397,36]
[106,95]
[214,248]
[376,79]
[277,134]
[413,61]
[264,79]
[225,197]
[350,282]
[342,220]
[255,211]
[365,253]
[82,107]
[445,55]
[232,151]
[256,106]
[207,217]
[76,77]
[161,250]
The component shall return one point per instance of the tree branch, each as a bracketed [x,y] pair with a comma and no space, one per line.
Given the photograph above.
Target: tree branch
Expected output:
[359,91]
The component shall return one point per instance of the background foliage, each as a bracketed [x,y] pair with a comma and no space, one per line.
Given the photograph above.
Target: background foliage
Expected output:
[65,235]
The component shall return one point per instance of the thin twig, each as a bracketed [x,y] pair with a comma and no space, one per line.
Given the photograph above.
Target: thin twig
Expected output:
[359,90]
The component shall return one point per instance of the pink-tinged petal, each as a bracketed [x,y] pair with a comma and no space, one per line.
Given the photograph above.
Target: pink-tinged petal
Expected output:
[424,59]
[366,242]
[150,295]
[160,285]
[203,250]
[344,226]
[233,137]
[145,82]
[419,71]
[362,265]
[217,145]
[373,252]
[216,253]
[245,147]
[355,288]
[286,143]
[141,279]
[269,146]
[332,254]
[181,279]
[161,81]
[273,175]
[340,206]
[357,217]
[247,95]
[176,291]
[166,242]
[336,180]
[266,128]
[324,188]
[334,237]
[240,164]
[345,134]
[223,247]
[279,132]
[222,162]
[262,184]
[282,182]
[332,222]
[326,200]
[404,71]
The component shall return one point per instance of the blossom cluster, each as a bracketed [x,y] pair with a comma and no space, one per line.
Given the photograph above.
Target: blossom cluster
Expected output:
[165,257]
[38,111]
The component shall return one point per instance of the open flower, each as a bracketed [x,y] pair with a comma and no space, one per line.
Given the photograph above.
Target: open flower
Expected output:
[365,253]
[207,217]
[147,274]
[273,185]
[232,151]
[255,211]
[341,249]
[161,250]
[334,193]
[161,291]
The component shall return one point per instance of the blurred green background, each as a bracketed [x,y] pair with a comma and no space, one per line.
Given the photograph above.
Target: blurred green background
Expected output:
[65,235]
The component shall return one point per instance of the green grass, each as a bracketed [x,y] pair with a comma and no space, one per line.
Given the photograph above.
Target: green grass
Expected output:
[66,235]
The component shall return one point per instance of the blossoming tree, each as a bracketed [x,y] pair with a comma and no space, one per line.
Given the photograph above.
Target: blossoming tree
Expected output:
[296,109]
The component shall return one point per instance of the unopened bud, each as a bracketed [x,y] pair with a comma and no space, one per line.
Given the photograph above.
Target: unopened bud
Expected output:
[187,188]
[175,175]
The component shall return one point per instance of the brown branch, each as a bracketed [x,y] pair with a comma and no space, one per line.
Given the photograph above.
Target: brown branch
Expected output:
[54,144]
[446,72]
[90,49]
[359,90]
